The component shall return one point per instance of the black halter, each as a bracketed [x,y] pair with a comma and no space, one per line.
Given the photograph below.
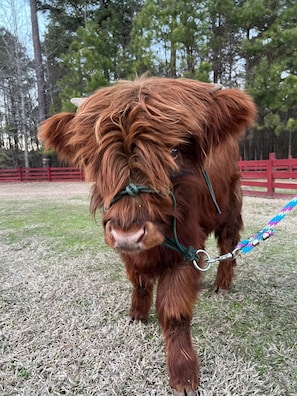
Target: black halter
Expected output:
[132,190]
[189,253]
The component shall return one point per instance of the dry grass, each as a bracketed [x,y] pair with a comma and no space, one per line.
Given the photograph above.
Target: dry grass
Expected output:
[64,300]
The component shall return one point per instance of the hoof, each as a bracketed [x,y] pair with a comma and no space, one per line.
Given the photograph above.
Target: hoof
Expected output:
[186,393]
[221,292]
[133,321]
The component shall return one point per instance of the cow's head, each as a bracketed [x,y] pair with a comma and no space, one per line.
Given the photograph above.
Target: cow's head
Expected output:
[138,141]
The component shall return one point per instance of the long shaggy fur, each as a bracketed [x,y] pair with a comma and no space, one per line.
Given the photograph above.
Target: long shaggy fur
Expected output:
[158,133]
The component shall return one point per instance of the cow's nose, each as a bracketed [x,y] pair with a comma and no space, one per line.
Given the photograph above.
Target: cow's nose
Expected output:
[128,240]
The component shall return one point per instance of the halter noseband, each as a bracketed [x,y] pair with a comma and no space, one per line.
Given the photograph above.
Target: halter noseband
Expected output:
[132,190]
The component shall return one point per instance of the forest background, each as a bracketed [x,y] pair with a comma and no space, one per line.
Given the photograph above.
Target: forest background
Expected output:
[83,45]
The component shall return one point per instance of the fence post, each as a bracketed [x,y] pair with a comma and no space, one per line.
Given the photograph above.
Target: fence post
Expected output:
[239,164]
[81,174]
[49,176]
[270,189]
[20,173]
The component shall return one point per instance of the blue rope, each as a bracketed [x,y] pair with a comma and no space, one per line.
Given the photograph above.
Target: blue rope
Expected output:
[247,245]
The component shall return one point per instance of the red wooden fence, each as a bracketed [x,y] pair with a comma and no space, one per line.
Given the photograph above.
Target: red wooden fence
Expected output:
[269,178]
[41,174]
[266,178]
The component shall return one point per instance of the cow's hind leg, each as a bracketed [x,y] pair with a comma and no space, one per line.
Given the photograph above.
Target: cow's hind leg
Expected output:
[176,296]
[228,235]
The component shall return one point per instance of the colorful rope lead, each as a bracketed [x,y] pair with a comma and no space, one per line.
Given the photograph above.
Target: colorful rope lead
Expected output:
[247,245]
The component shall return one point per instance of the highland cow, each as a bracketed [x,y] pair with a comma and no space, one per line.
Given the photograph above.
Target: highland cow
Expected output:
[162,154]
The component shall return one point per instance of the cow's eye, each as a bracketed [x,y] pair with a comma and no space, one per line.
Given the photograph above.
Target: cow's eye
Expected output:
[174,152]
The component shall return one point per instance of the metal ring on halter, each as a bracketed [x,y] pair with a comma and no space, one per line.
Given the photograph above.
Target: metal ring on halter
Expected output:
[202,269]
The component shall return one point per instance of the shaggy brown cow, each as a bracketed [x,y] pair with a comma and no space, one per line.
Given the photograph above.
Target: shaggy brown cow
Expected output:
[149,145]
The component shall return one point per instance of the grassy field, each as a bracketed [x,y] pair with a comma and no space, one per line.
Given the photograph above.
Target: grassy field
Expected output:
[64,303]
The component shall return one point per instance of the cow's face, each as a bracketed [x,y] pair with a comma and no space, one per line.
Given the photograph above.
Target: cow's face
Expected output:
[147,135]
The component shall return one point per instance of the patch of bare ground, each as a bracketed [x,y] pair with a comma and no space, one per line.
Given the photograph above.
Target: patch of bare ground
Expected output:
[64,327]
[54,190]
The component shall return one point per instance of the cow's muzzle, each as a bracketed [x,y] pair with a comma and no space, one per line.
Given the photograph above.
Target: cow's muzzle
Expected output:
[138,237]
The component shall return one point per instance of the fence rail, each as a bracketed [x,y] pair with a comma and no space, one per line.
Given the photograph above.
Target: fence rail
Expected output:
[266,178]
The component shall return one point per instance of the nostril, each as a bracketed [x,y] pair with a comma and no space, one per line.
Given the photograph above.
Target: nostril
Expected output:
[107,226]
[141,234]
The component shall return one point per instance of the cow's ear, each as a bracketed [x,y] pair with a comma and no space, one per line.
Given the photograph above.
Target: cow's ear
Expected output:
[56,133]
[232,113]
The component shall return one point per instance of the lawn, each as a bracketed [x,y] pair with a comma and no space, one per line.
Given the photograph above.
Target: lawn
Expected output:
[64,302]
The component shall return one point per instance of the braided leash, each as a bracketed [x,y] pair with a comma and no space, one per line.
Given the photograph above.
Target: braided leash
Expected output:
[247,245]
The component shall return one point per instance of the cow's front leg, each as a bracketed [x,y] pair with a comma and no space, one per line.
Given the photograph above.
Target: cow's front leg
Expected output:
[141,301]
[176,295]
[142,294]
[228,236]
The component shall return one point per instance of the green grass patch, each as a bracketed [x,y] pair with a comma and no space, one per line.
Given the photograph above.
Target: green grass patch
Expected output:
[69,226]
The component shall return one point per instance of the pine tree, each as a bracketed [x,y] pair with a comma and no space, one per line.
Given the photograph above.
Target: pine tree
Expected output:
[270,51]
[169,38]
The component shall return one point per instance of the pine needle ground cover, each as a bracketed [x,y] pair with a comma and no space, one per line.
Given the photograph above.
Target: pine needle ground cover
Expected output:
[64,302]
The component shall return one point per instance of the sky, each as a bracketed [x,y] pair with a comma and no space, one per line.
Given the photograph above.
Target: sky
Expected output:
[15,17]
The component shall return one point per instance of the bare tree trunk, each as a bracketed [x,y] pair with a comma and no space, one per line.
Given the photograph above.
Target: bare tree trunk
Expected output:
[38,62]
[22,121]
[172,63]
[25,133]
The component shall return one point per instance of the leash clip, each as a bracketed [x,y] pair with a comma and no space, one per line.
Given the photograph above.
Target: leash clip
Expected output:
[228,256]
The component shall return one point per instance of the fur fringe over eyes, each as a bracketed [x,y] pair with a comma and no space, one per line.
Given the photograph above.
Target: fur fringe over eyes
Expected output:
[120,127]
